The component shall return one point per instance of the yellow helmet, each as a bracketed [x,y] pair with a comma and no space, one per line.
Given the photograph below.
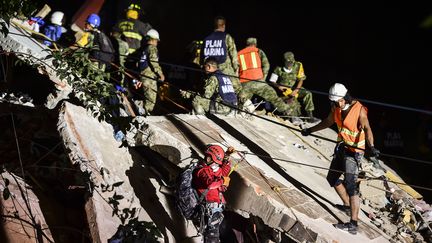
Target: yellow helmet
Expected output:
[133,11]
[132,14]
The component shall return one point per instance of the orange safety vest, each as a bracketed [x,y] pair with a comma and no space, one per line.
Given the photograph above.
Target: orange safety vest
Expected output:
[250,65]
[348,129]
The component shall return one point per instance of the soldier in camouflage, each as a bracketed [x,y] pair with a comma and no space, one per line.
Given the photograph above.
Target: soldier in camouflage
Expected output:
[221,46]
[218,90]
[151,71]
[256,67]
[291,76]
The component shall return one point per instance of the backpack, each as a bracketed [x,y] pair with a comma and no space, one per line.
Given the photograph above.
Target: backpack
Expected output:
[186,197]
[105,52]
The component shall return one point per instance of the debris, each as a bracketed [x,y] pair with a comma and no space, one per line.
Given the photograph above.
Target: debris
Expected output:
[18,99]
[300,146]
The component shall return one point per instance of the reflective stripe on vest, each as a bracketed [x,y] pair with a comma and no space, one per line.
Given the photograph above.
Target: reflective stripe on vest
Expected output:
[250,65]
[132,35]
[348,129]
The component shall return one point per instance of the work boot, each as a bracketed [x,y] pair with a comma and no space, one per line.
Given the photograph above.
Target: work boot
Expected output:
[351,227]
[311,118]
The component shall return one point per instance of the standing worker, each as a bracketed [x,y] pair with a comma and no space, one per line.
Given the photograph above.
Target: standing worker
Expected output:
[150,72]
[354,132]
[133,29]
[211,179]
[254,66]
[221,46]
[289,81]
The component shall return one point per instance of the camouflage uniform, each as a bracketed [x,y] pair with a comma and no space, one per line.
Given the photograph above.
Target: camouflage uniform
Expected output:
[231,66]
[201,104]
[123,51]
[149,77]
[265,64]
[263,89]
[289,78]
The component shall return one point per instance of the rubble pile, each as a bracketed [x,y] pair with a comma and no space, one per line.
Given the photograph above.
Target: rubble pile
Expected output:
[17,99]
[403,217]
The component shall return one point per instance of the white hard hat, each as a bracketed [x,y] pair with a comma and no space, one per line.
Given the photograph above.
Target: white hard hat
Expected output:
[337,92]
[57,17]
[153,34]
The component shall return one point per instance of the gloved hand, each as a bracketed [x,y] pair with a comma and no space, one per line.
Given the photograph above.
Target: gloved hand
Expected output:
[374,152]
[230,151]
[226,181]
[137,84]
[306,132]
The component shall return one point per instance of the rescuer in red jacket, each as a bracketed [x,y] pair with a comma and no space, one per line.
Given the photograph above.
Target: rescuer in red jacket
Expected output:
[211,180]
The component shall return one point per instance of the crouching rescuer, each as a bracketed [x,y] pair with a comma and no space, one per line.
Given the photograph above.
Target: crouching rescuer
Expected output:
[201,185]
[219,96]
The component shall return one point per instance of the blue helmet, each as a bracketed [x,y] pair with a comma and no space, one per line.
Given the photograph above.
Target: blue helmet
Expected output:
[94,20]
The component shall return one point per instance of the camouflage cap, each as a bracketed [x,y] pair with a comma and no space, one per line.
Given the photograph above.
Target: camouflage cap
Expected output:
[251,41]
[289,56]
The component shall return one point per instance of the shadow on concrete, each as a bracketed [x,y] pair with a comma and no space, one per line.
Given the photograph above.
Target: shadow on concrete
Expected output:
[140,176]
[187,133]
[256,149]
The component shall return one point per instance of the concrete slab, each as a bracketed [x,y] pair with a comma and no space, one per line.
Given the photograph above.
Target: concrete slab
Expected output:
[272,182]
[22,217]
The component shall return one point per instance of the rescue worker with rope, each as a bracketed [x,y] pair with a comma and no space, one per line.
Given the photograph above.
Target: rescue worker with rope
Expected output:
[133,29]
[354,132]
[211,179]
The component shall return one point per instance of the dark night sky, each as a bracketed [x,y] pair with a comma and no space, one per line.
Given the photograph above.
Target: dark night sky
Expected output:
[379,53]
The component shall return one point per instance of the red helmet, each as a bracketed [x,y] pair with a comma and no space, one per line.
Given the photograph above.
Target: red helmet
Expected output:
[216,152]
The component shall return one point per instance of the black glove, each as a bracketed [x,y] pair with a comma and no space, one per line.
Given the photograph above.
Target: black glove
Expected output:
[374,152]
[306,132]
